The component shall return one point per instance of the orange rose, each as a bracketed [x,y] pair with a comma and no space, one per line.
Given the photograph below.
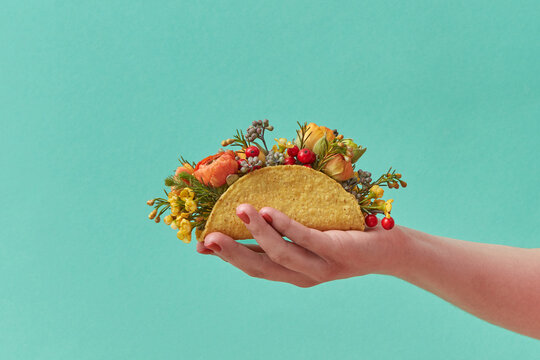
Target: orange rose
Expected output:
[186,168]
[338,168]
[315,134]
[214,169]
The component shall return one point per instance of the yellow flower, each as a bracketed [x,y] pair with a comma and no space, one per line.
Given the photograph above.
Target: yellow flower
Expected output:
[377,191]
[168,219]
[152,214]
[191,205]
[174,226]
[388,207]
[283,144]
[186,194]
[379,203]
[184,231]
[184,225]
[181,217]
[184,237]
[175,210]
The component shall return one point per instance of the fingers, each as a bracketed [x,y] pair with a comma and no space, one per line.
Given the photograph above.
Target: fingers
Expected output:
[201,249]
[314,240]
[283,252]
[253,263]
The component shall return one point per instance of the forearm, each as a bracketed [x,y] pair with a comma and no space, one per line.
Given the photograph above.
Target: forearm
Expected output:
[499,284]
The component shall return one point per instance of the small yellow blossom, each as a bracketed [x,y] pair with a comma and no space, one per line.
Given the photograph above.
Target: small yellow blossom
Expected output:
[377,191]
[184,237]
[388,207]
[168,219]
[152,214]
[283,144]
[379,203]
[181,218]
[184,225]
[184,231]
[174,226]
[175,210]
[191,205]
[186,194]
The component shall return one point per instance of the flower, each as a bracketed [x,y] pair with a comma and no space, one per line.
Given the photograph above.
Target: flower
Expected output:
[186,194]
[282,144]
[388,207]
[214,169]
[355,151]
[315,133]
[175,210]
[184,231]
[168,219]
[190,205]
[377,191]
[153,214]
[185,168]
[338,168]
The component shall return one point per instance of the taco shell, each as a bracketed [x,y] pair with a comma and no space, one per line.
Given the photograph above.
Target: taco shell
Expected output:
[306,195]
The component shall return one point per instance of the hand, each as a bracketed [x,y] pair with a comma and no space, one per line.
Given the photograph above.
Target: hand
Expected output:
[311,257]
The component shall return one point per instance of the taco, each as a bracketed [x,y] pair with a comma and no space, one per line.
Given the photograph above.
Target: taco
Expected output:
[305,195]
[312,179]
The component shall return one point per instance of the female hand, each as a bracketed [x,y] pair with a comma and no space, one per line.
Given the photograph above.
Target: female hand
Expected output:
[311,257]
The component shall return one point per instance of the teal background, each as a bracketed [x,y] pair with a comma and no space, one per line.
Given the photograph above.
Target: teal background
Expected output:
[98,99]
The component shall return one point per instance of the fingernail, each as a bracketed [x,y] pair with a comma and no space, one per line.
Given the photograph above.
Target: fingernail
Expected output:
[267,218]
[213,246]
[206,252]
[243,216]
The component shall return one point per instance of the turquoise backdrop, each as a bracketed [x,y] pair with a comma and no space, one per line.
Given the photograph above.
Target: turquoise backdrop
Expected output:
[99,98]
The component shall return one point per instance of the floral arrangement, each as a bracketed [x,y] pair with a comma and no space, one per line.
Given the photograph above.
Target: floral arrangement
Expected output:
[196,187]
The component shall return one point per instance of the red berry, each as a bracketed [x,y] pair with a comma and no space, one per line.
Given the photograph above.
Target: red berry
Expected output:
[371,220]
[289,161]
[306,156]
[252,151]
[307,165]
[293,151]
[387,223]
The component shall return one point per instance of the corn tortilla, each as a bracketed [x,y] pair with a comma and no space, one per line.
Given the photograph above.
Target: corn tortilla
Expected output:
[306,195]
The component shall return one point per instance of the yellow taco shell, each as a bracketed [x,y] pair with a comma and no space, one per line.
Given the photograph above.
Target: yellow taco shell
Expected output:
[306,195]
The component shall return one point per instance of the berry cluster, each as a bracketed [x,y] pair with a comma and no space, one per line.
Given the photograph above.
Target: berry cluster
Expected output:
[274,158]
[304,156]
[387,222]
[256,130]
[251,162]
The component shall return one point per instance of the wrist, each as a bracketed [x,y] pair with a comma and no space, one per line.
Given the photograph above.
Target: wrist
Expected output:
[398,246]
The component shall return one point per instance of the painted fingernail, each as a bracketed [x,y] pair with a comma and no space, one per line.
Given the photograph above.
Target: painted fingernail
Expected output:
[267,218]
[213,246]
[243,216]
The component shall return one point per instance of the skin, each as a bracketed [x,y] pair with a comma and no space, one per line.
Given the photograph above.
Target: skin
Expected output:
[499,284]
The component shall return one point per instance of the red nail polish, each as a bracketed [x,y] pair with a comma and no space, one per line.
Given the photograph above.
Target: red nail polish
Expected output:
[267,218]
[243,216]
[213,246]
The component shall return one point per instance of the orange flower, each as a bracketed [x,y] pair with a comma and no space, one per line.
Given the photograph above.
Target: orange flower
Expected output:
[338,168]
[186,168]
[315,134]
[214,169]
